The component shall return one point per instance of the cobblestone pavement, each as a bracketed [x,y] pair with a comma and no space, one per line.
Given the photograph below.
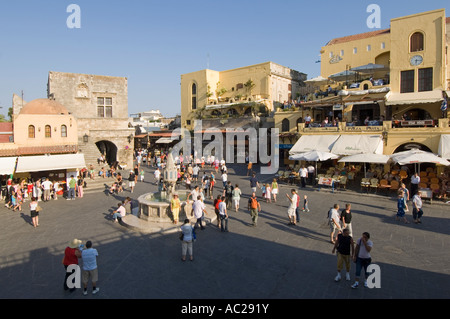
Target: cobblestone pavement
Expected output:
[270,261]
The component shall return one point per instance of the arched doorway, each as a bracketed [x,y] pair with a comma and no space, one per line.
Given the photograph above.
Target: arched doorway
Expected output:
[109,149]
[411,146]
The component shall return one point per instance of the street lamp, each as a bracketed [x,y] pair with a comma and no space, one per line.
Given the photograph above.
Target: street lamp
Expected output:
[85,138]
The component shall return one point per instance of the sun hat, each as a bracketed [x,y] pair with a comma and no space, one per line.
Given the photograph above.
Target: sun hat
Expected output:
[75,243]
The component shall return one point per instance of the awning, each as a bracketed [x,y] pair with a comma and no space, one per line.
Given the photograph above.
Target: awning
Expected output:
[414,98]
[357,144]
[7,165]
[49,162]
[444,146]
[165,140]
[307,143]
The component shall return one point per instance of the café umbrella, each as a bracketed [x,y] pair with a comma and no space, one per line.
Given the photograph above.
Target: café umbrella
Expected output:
[313,156]
[366,158]
[417,156]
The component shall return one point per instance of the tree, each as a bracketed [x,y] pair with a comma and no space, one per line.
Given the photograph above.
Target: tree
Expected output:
[2,118]
[249,85]
[10,114]
[221,91]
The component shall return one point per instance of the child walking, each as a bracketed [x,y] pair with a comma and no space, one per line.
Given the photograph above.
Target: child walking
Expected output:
[305,204]
[268,194]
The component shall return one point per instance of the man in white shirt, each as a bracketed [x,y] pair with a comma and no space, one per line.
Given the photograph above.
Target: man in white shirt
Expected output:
[303,172]
[333,218]
[198,209]
[223,215]
[47,186]
[292,207]
[415,180]
[157,176]
[417,207]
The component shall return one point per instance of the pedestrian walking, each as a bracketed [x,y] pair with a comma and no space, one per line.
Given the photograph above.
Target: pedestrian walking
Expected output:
[34,211]
[254,183]
[405,195]
[131,180]
[274,190]
[401,205]
[305,204]
[345,248]
[268,194]
[254,207]
[175,206]
[198,210]
[249,168]
[228,194]
[346,218]
[72,254]
[157,175]
[417,207]
[80,184]
[216,209]
[362,257]
[90,270]
[72,186]
[187,239]
[223,215]
[236,197]
[333,220]
[142,175]
[292,207]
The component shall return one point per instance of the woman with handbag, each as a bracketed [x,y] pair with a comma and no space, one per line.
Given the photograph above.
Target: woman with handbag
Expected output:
[187,240]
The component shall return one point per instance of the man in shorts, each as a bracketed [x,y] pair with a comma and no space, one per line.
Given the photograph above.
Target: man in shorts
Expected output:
[90,271]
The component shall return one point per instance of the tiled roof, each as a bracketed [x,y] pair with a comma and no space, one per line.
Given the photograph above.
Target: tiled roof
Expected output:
[358,36]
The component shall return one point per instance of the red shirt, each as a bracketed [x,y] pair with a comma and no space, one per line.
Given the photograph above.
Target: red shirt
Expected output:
[69,256]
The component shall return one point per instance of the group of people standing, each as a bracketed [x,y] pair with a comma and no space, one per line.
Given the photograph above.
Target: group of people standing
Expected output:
[346,249]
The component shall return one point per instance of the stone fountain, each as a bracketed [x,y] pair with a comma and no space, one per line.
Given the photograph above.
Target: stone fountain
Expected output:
[155,207]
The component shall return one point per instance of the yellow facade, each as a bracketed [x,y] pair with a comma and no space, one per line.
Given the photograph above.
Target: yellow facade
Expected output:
[398,49]
[268,82]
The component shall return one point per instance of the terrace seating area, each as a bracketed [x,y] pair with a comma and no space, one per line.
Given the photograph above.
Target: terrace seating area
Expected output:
[376,179]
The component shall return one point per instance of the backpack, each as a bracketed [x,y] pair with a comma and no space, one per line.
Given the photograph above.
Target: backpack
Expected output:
[217,204]
[253,203]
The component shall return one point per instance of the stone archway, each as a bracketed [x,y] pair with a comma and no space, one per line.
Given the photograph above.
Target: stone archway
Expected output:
[410,146]
[109,149]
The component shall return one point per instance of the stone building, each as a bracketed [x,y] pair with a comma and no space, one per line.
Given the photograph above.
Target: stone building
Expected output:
[100,105]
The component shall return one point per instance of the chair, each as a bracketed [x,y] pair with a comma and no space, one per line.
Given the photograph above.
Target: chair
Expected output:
[431,174]
[423,174]
[403,174]
[423,185]
[365,183]
[394,185]
[424,180]
[374,183]
[343,181]
[434,180]
[384,184]
[435,188]
[281,175]
[429,170]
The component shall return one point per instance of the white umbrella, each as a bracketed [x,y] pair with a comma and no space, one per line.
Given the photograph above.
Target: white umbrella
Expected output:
[366,158]
[313,156]
[318,80]
[416,156]
[371,67]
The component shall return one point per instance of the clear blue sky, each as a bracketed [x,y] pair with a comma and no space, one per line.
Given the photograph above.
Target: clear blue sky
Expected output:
[153,42]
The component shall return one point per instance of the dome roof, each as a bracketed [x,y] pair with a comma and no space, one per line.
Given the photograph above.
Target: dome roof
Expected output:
[44,106]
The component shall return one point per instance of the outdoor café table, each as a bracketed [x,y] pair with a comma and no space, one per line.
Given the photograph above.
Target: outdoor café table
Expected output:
[327,181]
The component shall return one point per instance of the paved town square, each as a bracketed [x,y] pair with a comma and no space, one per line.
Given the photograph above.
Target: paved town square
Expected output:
[273,260]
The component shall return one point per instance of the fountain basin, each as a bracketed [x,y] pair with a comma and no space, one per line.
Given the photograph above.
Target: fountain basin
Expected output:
[156,208]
